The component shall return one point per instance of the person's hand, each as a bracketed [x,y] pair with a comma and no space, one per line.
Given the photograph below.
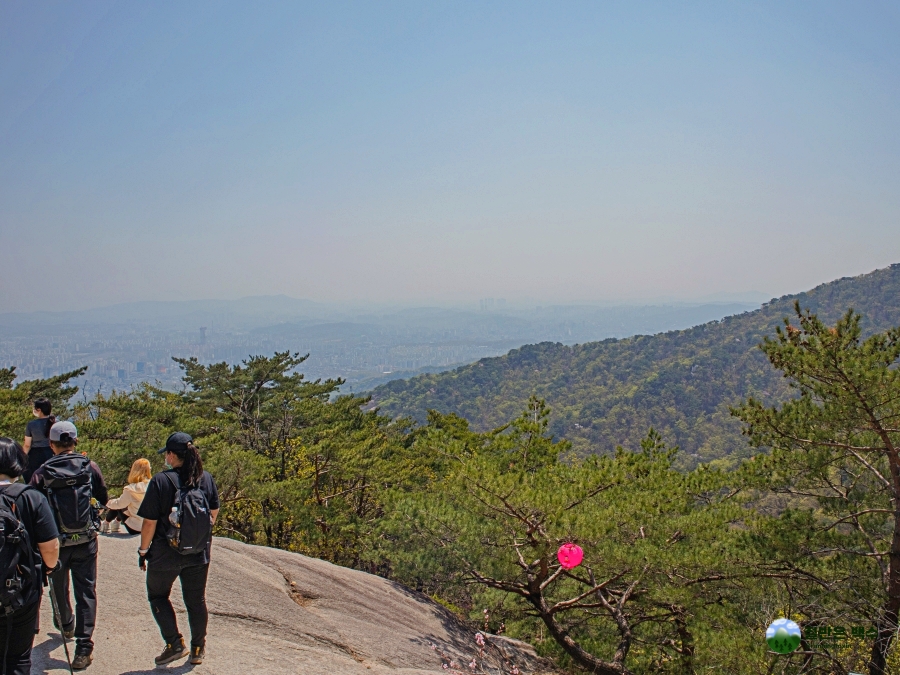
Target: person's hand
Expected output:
[48,570]
[142,559]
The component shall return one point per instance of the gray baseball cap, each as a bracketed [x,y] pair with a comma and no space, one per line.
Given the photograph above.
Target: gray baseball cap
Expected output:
[60,428]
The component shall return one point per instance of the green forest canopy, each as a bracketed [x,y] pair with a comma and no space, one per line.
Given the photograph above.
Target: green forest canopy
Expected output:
[681,383]
[683,569]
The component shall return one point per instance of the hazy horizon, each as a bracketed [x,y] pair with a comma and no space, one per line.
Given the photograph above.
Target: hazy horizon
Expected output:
[749,299]
[123,345]
[401,153]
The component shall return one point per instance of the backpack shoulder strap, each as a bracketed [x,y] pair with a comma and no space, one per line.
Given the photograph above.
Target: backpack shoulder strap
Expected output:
[175,484]
[15,490]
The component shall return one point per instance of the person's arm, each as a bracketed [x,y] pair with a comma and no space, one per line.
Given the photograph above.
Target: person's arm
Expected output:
[151,510]
[41,525]
[98,485]
[148,529]
[120,503]
[26,446]
[213,497]
[49,552]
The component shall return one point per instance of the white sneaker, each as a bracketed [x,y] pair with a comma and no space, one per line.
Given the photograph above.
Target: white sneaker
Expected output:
[114,527]
[104,527]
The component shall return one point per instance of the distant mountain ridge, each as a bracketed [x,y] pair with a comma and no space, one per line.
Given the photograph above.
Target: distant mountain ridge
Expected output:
[287,316]
[609,393]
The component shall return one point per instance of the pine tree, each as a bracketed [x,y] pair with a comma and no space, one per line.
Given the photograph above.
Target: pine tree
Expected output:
[835,454]
[16,402]
[657,589]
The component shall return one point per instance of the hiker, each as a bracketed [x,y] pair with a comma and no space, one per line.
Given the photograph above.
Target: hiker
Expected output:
[124,509]
[179,510]
[71,483]
[37,437]
[23,563]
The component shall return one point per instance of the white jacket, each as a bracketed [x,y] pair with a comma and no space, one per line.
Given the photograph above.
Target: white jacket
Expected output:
[130,501]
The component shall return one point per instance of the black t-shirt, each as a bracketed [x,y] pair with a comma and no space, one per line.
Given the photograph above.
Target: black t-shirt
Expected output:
[37,431]
[34,511]
[157,505]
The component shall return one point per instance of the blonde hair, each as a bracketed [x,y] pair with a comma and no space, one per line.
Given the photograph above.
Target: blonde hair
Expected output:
[140,471]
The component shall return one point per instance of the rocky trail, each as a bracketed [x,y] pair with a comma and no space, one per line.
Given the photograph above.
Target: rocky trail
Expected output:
[276,612]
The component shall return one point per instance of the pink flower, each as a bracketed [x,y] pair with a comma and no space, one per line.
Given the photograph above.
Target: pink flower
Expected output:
[444,666]
[473,665]
[479,638]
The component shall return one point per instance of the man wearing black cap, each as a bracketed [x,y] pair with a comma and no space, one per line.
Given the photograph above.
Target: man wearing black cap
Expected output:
[183,491]
[69,479]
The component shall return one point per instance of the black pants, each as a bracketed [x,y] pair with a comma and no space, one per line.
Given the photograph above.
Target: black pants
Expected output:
[193,591]
[81,561]
[21,625]
[36,457]
[121,516]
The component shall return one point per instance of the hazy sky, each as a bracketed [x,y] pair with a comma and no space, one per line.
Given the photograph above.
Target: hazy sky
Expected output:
[429,151]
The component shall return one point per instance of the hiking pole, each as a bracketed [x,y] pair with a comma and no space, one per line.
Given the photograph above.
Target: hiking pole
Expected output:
[58,618]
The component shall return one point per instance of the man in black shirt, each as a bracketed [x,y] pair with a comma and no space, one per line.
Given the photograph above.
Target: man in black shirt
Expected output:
[17,630]
[163,562]
[78,559]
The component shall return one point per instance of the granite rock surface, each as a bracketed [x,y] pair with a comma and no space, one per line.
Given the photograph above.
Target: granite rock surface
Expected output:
[277,612]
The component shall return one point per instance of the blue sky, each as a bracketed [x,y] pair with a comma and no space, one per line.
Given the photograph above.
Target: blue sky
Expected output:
[444,152]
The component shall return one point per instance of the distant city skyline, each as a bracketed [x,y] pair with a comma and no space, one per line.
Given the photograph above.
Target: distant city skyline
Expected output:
[445,152]
[128,344]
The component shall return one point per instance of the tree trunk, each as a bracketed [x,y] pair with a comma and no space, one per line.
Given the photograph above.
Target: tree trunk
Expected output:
[687,641]
[887,624]
[579,655]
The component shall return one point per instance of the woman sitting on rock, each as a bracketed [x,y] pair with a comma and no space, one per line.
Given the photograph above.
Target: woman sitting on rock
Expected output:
[124,509]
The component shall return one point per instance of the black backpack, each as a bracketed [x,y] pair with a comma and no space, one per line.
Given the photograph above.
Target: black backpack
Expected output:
[67,479]
[190,522]
[17,571]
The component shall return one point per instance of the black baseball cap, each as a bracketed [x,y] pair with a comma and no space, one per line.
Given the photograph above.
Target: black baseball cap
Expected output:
[177,443]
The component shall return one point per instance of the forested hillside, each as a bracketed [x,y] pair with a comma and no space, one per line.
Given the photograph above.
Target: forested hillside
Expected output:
[683,570]
[681,383]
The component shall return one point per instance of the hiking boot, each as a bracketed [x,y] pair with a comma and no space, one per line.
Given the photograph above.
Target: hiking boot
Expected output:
[82,660]
[172,652]
[197,654]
